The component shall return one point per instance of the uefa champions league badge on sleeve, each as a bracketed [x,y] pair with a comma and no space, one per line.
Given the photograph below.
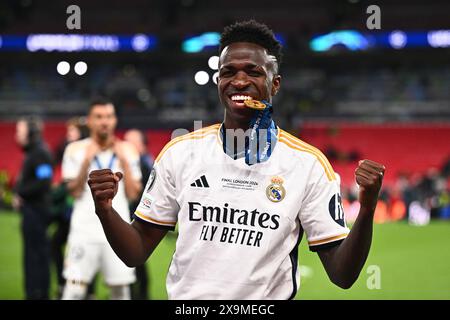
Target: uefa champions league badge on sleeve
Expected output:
[275,191]
[151,180]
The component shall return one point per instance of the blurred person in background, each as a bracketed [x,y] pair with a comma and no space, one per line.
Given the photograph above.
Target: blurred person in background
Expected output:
[33,200]
[76,129]
[139,290]
[88,250]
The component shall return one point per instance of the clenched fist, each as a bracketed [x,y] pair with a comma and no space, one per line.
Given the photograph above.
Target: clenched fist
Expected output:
[103,184]
[369,176]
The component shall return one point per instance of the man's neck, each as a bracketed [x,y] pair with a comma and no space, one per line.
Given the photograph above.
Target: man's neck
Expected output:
[230,123]
[104,143]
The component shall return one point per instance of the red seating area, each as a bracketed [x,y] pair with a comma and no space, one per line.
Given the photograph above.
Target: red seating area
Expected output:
[54,133]
[11,155]
[411,148]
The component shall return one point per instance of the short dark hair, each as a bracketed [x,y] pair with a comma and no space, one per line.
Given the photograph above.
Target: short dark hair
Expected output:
[99,100]
[35,126]
[253,32]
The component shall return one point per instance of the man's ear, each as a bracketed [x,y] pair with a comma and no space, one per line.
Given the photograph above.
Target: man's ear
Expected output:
[276,83]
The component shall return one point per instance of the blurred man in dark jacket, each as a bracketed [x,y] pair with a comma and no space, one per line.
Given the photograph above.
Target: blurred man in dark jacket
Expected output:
[33,199]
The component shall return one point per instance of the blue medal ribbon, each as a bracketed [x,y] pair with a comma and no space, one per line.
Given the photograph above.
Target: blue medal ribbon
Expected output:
[263,136]
[110,165]
[261,140]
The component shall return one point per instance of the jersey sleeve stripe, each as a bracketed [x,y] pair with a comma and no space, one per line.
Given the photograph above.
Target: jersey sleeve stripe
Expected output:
[187,137]
[325,245]
[154,225]
[326,240]
[198,134]
[146,218]
[330,175]
[307,146]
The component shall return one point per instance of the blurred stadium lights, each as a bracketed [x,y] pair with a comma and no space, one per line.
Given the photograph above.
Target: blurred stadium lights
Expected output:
[78,42]
[140,42]
[213,62]
[63,67]
[215,77]
[80,68]
[201,78]
[352,40]
[210,40]
[72,42]
[201,42]
[355,40]
[439,38]
[398,39]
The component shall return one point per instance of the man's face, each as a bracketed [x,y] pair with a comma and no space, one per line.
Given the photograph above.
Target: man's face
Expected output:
[245,71]
[102,121]
[72,133]
[22,133]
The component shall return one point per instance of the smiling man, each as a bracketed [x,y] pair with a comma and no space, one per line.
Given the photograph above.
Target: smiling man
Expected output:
[247,71]
[243,193]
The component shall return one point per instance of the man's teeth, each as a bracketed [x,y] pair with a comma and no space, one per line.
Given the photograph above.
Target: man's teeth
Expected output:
[241,98]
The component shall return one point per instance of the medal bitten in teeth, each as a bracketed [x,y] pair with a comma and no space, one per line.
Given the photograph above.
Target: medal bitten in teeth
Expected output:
[254,104]
[248,101]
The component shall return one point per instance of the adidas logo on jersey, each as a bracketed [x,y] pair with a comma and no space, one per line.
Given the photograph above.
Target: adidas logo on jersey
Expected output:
[200,182]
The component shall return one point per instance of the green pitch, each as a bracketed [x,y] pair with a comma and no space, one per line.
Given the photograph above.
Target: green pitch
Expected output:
[405,262]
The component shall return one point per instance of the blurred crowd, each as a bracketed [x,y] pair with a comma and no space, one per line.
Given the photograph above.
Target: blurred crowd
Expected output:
[413,197]
[142,90]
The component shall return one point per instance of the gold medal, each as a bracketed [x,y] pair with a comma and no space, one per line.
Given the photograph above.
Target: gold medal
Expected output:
[255,104]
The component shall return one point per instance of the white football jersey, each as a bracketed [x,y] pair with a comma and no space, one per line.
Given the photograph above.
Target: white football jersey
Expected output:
[84,223]
[240,226]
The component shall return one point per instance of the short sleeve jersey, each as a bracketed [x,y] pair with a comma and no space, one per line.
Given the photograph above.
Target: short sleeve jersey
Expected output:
[84,223]
[239,225]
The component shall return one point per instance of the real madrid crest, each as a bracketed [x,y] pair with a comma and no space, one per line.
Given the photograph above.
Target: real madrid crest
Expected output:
[275,191]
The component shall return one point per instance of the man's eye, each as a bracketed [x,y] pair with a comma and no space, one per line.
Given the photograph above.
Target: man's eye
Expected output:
[254,73]
[225,74]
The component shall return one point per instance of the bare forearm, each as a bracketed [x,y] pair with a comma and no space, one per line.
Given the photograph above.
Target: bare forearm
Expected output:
[125,240]
[347,260]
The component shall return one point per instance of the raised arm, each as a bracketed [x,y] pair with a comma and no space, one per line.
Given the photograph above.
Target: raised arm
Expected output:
[343,263]
[133,243]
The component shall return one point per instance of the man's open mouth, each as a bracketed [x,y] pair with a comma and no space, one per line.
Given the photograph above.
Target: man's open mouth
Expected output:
[238,99]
